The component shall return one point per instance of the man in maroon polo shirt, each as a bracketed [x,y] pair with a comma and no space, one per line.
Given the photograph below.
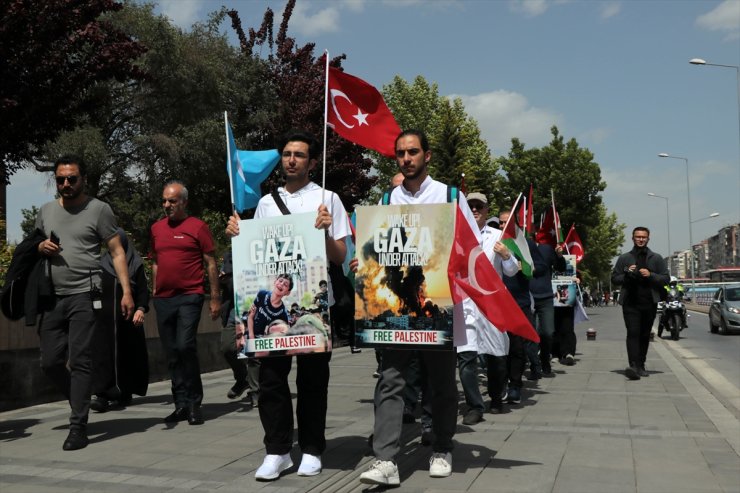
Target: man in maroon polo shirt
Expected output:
[181,245]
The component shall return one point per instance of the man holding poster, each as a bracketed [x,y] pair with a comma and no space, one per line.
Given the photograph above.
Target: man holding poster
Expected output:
[299,155]
[413,155]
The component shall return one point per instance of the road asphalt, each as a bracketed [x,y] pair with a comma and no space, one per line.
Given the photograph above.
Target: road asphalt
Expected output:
[585,429]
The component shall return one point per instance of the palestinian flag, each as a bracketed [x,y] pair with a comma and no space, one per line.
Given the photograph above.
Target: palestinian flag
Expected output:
[515,239]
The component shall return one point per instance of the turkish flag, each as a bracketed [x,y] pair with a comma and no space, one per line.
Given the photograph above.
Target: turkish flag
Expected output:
[549,228]
[573,244]
[472,275]
[357,112]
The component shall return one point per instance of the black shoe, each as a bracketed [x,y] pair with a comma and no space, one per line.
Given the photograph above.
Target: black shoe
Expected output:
[354,350]
[472,417]
[195,416]
[642,371]
[179,414]
[237,389]
[125,399]
[76,439]
[569,360]
[631,373]
[99,404]
[496,408]
[546,370]
[408,418]
[534,375]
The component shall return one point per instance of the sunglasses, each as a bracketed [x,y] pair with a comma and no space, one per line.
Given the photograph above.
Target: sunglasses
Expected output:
[71,179]
[412,152]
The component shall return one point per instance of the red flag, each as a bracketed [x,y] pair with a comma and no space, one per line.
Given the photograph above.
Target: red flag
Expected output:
[358,113]
[574,245]
[472,276]
[549,231]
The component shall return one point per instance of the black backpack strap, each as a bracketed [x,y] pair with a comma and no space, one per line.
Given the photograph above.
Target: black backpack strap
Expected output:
[279,202]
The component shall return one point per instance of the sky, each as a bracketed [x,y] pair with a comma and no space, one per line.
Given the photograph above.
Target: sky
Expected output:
[614,75]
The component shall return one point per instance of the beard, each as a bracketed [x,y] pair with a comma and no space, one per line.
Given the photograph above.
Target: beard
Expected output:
[70,193]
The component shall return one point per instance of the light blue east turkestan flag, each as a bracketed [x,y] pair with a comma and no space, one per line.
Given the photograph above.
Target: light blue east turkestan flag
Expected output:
[248,169]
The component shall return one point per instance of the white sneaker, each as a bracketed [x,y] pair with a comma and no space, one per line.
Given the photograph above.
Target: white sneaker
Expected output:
[310,465]
[272,466]
[440,465]
[381,472]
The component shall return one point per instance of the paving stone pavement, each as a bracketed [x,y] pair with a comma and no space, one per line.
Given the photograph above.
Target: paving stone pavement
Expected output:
[586,429]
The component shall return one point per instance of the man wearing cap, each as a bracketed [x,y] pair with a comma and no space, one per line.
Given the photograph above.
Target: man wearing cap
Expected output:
[467,355]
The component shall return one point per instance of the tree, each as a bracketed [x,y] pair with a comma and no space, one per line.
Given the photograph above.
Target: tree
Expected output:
[603,245]
[139,133]
[298,79]
[574,178]
[53,52]
[454,137]
[29,220]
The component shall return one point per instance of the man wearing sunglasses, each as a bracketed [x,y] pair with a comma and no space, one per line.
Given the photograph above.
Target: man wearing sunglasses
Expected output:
[75,226]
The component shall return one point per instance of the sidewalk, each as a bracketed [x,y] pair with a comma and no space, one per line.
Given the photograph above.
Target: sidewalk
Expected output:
[587,429]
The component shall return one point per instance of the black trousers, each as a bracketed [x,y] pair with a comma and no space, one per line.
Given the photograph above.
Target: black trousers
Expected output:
[639,322]
[565,330]
[66,332]
[276,405]
[496,372]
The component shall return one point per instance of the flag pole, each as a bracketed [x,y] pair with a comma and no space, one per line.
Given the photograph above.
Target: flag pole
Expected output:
[228,162]
[555,218]
[326,116]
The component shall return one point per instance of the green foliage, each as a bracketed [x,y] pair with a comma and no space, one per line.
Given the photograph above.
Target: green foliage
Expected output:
[605,238]
[454,137]
[6,254]
[53,52]
[574,178]
[298,78]
[29,220]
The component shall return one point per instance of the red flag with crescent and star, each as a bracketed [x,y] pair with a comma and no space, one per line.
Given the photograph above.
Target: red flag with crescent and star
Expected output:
[573,244]
[472,275]
[358,113]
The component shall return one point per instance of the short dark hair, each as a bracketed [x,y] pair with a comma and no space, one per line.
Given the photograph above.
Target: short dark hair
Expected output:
[71,159]
[323,283]
[296,135]
[418,133]
[641,228]
[288,277]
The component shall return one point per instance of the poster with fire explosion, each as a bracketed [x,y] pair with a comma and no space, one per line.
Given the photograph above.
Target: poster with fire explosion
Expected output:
[279,263]
[402,292]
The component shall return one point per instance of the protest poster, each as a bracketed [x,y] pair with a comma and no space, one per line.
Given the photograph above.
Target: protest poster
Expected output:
[564,284]
[279,265]
[402,291]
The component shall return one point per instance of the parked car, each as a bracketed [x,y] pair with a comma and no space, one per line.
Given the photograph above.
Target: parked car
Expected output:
[724,312]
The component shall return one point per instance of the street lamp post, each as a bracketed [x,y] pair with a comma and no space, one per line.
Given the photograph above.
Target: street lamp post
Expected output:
[699,61]
[691,236]
[668,227]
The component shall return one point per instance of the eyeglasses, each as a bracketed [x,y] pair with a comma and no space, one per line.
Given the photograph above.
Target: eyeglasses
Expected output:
[412,152]
[71,179]
[298,155]
[477,205]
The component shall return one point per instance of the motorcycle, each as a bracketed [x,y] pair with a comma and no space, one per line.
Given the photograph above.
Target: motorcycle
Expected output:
[671,314]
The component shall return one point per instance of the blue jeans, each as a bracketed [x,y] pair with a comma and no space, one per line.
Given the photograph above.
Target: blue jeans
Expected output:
[467,365]
[177,321]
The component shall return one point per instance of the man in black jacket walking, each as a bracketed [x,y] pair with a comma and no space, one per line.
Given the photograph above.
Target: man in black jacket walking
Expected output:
[642,275]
